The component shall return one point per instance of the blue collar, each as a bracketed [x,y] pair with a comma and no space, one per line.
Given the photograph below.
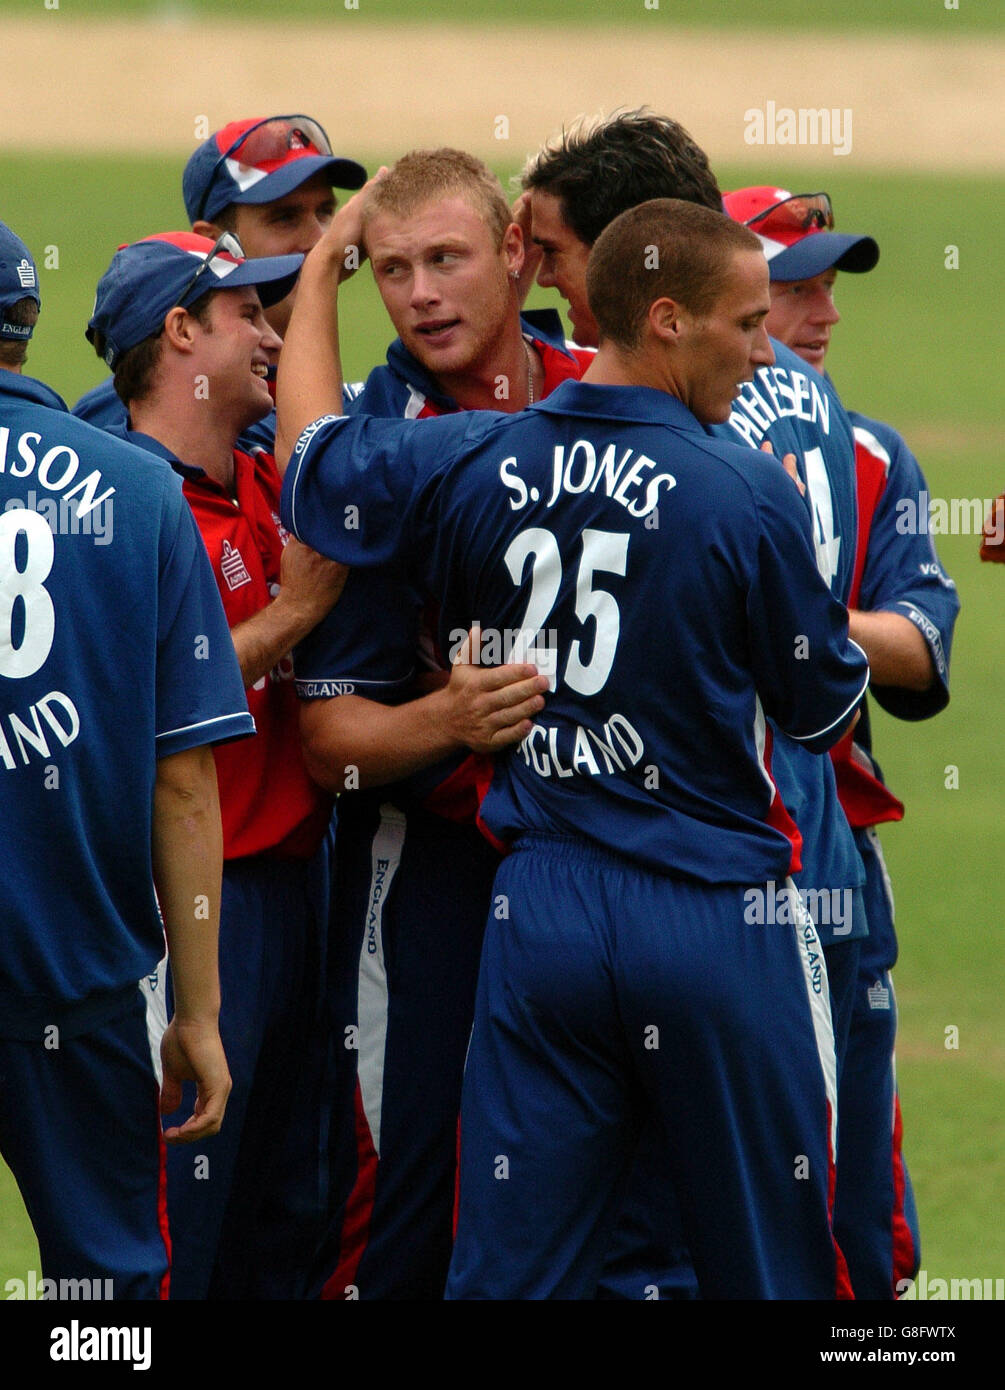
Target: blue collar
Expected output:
[154,446]
[28,389]
[643,404]
[540,325]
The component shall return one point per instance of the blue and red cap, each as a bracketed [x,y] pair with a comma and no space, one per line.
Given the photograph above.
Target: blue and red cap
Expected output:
[18,280]
[259,160]
[797,233]
[174,269]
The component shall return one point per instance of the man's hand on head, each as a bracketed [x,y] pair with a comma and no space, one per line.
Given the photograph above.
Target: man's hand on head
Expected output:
[309,383]
[341,250]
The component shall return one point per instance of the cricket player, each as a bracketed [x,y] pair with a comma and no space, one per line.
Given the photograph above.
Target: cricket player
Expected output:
[106,722]
[180,321]
[269,181]
[573,188]
[902,610]
[446,258]
[624,885]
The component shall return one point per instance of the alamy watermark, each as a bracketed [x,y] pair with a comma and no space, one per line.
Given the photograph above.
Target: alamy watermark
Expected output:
[925,515]
[775,905]
[781,125]
[66,518]
[500,646]
[926,1287]
[34,1287]
[83,1343]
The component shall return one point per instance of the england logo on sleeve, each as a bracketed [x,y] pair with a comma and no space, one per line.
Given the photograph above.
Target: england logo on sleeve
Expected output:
[232,565]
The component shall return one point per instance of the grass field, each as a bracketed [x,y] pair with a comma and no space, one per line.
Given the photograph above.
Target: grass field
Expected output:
[916,348]
[841,16]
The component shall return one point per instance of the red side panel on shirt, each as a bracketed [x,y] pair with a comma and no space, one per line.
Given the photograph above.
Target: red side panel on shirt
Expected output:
[778,817]
[459,797]
[268,803]
[864,798]
[870,484]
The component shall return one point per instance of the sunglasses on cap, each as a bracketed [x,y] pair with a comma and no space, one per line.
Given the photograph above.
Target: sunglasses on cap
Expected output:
[226,242]
[802,212]
[270,140]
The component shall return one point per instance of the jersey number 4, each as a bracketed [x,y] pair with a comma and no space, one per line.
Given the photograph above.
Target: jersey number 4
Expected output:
[603,552]
[23,597]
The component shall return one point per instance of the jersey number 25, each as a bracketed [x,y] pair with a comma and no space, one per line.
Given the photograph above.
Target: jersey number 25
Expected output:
[603,552]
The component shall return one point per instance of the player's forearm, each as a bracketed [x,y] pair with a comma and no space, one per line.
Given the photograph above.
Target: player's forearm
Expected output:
[309,381]
[350,741]
[262,641]
[187,849]
[898,654]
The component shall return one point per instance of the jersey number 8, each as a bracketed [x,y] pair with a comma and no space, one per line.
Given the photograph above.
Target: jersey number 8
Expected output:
[22,592]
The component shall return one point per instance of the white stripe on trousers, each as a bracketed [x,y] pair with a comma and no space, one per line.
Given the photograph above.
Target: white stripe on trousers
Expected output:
[153,988]
[385,856]
[819,1002]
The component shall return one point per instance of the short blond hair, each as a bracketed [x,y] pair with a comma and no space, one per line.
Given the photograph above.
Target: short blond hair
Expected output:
[424,175]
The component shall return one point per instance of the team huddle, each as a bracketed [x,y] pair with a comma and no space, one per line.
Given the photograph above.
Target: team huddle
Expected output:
[481,880]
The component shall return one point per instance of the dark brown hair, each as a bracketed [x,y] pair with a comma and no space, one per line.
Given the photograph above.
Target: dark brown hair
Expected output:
[601,167]
[134,373]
